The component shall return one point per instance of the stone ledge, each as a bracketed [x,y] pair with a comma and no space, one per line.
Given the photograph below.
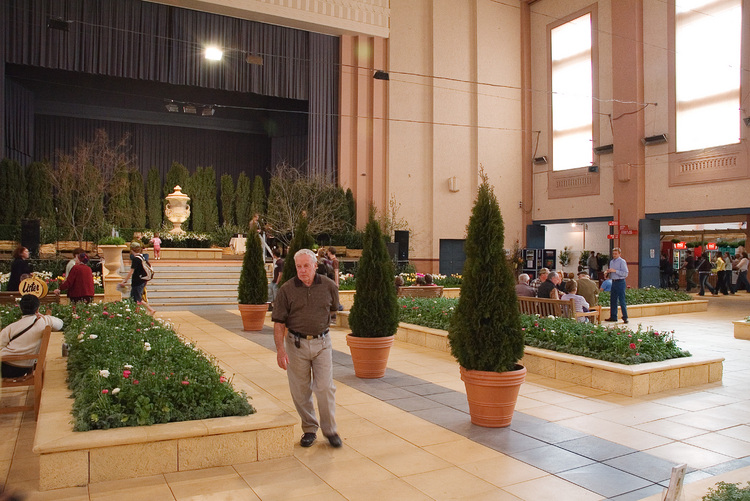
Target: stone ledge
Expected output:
[630,380]
[741,329]
[69,459]
[180,253]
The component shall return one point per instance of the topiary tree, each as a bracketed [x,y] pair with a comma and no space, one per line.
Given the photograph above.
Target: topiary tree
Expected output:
[259,197]
[227,200]
[375,309]
[351,206]
[243,201]
[485,332]
[203,195]
[301,240]
[40,191]
[118,203]
[138,199]
[253,286]
[154,203]
[13,192]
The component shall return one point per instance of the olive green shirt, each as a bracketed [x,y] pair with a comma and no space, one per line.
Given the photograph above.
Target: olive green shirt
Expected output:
[306,310]
[589,290]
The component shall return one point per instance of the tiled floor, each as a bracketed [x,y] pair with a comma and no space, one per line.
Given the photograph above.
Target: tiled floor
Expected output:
[408,436]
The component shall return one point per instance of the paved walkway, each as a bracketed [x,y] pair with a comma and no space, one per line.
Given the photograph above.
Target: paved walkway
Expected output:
[408,436]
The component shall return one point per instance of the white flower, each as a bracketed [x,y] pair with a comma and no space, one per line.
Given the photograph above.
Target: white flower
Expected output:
[80,336]
[93,336]
[148,348]
[550,316]
[104,373]
[128,366]
[115,391]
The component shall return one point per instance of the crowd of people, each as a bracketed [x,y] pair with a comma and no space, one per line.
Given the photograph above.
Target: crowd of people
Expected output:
[699,270]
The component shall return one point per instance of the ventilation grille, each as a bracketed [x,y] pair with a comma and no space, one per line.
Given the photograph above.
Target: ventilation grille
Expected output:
[573,182]
[708,164]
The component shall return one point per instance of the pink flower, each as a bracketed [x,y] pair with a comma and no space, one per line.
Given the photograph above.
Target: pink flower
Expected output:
[135,381]
[166,377]
[632,346]
[222,379]
[630,335]
[105,391]
[637,354]
[186,382]
[640,340]
[523,328]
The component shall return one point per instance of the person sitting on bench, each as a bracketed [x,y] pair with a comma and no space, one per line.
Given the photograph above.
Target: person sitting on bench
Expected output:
[24,336]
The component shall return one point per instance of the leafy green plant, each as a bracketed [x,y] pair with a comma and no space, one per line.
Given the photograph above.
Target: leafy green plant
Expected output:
[112,241]
[154,201]
[259,197]
[375,309]
[243,201]
[647,295]
[485,333]
[564,256]
[12,192]
[204,209]
[224,233]
[138,199]
[40,191]
[126,368]
[253,286]
[227,200]
[728,492]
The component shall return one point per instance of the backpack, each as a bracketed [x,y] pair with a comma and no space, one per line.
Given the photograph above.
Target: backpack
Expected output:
[148,271]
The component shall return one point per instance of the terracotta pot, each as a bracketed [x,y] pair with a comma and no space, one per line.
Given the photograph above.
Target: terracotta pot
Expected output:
[492,395]
[253,316]
[369,355]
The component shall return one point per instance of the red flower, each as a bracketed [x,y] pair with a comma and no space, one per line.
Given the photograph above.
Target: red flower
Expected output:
[186,382]
[632,346]
[135,381]
[105,391]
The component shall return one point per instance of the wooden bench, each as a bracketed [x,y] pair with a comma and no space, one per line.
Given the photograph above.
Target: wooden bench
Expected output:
[35,378]
[13,297]
[420,291]
[555,307]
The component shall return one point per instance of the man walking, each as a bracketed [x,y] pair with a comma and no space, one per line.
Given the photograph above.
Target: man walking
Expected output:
[301,315]
[618,272]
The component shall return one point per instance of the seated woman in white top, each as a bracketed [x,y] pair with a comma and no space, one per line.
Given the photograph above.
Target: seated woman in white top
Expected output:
[571,287]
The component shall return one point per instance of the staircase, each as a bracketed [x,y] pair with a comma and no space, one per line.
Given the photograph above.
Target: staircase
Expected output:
[187,283]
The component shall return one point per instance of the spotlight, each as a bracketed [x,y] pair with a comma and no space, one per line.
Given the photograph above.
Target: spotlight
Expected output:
[172,107]
[540,161]
[58,24]
[214,53]
[189,108]
[381,75]
[250,59]
[605,149]
[657,139]
[208,111]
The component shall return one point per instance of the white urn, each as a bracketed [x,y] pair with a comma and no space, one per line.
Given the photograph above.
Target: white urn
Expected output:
[177,209]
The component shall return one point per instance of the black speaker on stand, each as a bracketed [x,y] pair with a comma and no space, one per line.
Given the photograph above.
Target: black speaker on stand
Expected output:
[401,237]
[30,236]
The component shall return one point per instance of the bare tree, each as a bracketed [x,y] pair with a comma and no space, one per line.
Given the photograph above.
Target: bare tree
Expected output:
[293,194]
[82,178]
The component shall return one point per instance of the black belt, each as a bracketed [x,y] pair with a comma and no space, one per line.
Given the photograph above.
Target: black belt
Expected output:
[305,336]
[618,279]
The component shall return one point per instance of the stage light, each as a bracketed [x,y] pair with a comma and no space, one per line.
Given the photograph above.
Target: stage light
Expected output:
[189,109]
[172,107]
[214,53]
[208,111]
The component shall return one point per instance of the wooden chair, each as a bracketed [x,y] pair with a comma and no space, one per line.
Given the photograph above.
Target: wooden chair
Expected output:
[35,378]
[553,307]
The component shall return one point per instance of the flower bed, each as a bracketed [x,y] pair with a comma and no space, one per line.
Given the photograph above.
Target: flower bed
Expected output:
[347,281]
[612,344]
[648,295]
[126,368]
[52,283]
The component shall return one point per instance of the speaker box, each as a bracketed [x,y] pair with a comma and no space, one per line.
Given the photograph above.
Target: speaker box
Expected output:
[30,236]
[402,238]
[392,250]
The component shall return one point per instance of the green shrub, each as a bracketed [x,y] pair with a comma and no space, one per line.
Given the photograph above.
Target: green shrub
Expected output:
[112,241]
[375,309]
[13,192]
[243,201]
[253,286]
[228,216]
[485,333]
[648,295]
[40,191]
[224,233]
[10,232]
[728,492]
[138,199]
[301,240]
[126,368]
[259,201]
[154,201]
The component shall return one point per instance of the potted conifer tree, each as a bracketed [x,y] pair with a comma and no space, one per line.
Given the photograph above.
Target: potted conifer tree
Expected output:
[301,240]
[374,314]
[252,291]
[485,333]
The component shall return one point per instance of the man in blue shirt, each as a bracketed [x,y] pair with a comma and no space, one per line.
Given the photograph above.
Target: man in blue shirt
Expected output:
[617,271]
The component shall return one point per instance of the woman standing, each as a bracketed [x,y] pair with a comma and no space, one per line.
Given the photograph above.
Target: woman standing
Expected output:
[742,282]
[80,281]
[18,267]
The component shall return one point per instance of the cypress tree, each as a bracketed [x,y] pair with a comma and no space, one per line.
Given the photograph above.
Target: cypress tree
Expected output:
[211,204]
[154,204]
[198,199]
[227,200]
[253,286]
[39,189]
[138,199]
[352,206]
[243,201]
[485,331]
[375,309]
[13,192]
[259,197]
[301,240]
[119,208]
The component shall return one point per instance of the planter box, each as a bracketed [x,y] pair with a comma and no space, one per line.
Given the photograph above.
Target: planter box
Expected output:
[656,309]
[630,380]
[346,298]
[742,329]
[69,458]
[174,253]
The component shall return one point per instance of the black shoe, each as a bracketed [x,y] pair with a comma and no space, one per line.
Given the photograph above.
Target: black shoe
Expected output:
[307,439]
[335,441]
[624,320]
[610,320]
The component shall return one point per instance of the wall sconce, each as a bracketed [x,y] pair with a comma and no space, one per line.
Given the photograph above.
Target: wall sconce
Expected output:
[604,149]
[381,75]
[657,139]
[593,168]
[453,184]
[747,121]
[540,161]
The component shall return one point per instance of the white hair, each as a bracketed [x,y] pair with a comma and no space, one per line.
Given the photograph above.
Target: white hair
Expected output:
[523,278]
[306,252]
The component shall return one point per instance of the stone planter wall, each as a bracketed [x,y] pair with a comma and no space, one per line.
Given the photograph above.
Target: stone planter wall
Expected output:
[742,329]
[630,380]
[656,309]
[68,458]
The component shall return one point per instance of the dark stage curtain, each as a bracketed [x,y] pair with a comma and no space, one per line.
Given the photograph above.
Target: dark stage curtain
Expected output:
[159,146]
[19,123]
[153,42]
